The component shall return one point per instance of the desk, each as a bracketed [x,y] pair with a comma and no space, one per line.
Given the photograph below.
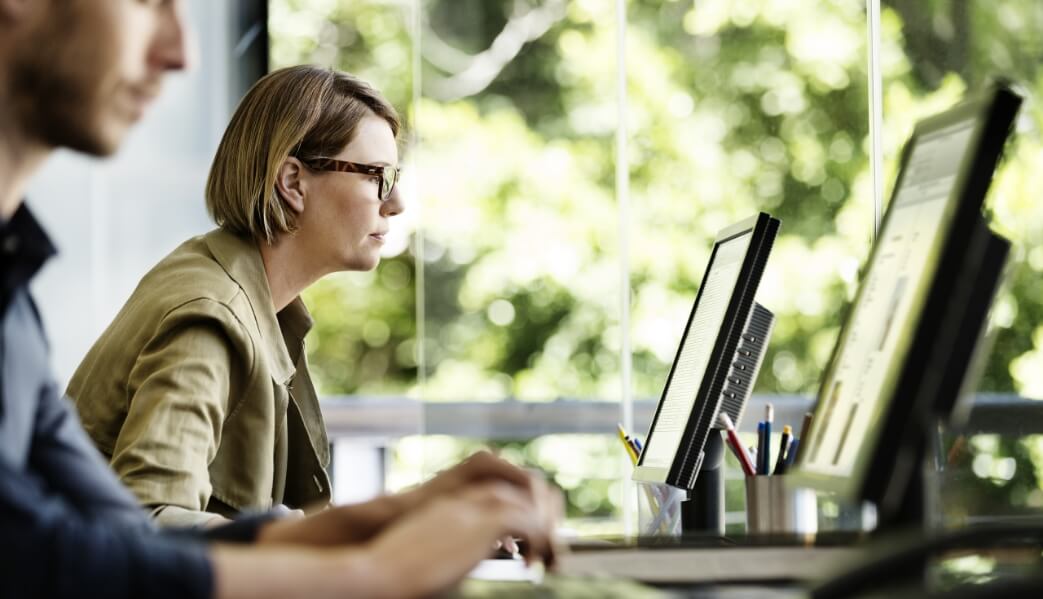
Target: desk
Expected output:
[898,566]
[567,587]
[693,566]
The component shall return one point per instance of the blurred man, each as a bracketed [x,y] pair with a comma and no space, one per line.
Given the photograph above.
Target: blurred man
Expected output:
[78,74]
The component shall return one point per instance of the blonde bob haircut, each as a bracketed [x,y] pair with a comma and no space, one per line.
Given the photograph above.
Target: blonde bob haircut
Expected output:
[302,111]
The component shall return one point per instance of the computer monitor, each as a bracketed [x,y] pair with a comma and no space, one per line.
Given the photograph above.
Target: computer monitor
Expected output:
[909,337]
[718,357]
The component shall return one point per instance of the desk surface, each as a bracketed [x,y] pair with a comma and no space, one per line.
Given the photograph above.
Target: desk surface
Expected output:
[663,566]
[570,587]
[665,571]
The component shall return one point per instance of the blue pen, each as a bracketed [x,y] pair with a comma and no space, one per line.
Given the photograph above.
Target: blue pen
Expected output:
[637,443]
[761,453]
[791,455]
[769,418]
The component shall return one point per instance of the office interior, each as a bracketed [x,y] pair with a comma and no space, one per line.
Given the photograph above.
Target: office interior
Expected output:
[567,166]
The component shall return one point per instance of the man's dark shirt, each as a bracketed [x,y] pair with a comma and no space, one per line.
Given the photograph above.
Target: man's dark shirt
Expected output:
[67,525]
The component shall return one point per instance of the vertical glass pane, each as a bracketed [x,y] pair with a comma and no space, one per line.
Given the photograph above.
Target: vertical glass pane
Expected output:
[364,336]
[517,119]
[940,51]
[736,108]
[364,339]
[937,52]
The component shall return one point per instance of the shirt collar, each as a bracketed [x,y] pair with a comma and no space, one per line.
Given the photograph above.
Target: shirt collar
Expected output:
[24,247]
[241,259]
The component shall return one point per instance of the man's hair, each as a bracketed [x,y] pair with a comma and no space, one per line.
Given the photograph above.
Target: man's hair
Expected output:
[302,111]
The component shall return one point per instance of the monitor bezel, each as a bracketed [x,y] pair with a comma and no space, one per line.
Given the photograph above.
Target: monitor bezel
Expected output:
[994,112]
[685,463]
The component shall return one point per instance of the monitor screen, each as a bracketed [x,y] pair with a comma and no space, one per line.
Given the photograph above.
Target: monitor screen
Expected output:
[699,383]
[694,355]
[875,341]
[918,308]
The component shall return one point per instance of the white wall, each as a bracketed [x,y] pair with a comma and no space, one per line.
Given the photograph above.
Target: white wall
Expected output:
[113,219]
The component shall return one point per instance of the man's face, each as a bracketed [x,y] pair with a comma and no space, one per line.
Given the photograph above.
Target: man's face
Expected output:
[86,70]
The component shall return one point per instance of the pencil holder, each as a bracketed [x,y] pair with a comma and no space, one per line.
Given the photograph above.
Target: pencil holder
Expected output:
[659,509]
[772,507]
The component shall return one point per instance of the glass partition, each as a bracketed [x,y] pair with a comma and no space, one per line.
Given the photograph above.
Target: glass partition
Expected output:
[938,51]
[552,244]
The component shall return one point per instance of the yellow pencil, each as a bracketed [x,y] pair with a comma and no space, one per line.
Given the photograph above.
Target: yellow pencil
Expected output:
[630,449]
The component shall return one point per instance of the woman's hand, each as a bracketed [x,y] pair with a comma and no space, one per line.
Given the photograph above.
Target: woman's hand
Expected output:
[421,554]
[432,549]
[359,523]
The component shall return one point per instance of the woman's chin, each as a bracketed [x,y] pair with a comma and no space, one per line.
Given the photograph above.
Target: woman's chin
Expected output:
[362,263]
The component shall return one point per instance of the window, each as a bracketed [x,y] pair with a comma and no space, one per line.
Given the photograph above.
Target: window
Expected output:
[557,227]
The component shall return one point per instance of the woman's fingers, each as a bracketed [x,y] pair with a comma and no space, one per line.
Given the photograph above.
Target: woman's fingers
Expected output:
[435,546]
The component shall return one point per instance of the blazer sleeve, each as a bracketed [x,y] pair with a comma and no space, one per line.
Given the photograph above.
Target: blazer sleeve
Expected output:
[178,400]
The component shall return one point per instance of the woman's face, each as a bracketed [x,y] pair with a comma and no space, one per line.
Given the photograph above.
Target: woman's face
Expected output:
[344,223]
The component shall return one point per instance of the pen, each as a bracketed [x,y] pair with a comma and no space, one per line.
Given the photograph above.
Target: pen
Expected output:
[769,419]
[805,425]
[805,430]
[791,455]
[762,450]
[784,445]
[733,441]
[633,444]
[637,452]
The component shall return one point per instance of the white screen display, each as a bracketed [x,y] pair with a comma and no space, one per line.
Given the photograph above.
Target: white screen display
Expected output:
[876,339]
[695,354]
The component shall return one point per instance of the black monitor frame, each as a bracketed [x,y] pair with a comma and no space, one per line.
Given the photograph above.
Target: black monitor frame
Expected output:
[689,456]
[946,331]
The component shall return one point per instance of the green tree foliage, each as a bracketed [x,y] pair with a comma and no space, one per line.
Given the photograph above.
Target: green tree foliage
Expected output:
[730,111]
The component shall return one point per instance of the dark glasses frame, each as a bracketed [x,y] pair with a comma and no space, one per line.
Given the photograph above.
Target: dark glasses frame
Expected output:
[388,174]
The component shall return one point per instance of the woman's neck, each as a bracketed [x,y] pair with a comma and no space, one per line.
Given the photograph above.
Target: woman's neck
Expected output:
[288,269]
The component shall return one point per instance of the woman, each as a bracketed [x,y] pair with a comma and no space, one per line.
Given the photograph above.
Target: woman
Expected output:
[198,392]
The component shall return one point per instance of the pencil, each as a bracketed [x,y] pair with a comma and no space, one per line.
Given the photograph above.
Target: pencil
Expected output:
[623,437]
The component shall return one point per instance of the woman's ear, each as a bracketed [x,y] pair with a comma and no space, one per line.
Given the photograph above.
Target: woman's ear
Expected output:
[290,185]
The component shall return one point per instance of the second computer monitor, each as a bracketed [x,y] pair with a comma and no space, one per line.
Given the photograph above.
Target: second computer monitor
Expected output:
[715,366]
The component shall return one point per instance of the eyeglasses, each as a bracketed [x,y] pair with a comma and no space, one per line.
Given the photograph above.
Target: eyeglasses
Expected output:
[388,174]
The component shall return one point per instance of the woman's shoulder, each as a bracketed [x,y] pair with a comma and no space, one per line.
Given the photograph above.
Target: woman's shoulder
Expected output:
[189,272]
[213,271]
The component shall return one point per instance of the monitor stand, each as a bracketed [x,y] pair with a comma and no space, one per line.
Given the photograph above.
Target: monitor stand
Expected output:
[703,511]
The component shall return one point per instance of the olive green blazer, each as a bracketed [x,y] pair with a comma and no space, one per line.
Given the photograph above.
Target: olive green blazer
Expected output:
[199,393]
